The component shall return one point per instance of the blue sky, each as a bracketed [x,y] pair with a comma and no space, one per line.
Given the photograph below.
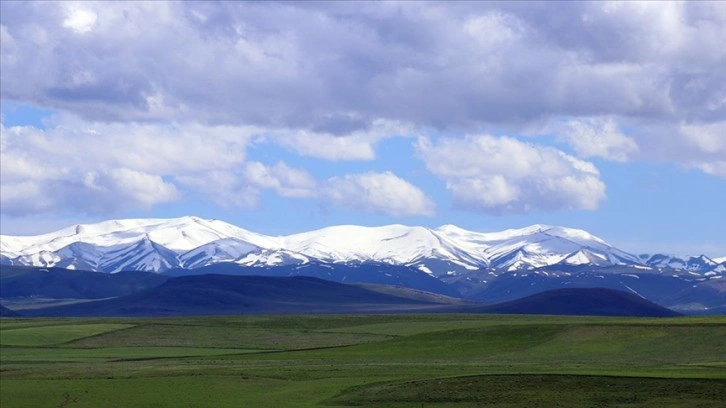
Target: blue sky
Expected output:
[285,117]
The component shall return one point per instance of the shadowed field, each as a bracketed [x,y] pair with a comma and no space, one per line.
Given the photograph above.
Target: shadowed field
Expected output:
[363,360]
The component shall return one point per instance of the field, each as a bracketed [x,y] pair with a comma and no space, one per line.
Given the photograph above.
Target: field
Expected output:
[363,360]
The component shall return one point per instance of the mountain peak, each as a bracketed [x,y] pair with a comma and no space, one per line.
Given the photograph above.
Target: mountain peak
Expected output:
[535,228]
[451,228]
[448,249]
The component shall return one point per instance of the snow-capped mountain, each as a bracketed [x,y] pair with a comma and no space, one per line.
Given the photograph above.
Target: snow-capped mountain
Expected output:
[690,263]
[136,244]
[191,242]
[221,250]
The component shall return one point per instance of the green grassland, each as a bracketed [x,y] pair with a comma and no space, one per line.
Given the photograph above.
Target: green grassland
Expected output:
[363,360]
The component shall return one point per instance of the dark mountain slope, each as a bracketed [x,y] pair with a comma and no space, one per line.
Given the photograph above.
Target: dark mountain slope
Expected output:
[5,312]
[684,293]
[58,283]
[226,294]
[356,272]
[581,301]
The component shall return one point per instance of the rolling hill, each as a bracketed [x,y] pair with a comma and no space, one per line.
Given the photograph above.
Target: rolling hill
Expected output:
[582,301]
[226,294]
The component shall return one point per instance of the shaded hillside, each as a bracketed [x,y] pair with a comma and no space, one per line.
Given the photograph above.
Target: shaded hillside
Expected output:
[58,283]
[226,294]
[581,301]
[402,291]
[685,293]
[5,312]
[367,272]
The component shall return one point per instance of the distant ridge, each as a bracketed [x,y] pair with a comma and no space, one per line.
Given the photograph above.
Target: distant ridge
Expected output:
[583,301]
[5,312]
[227,294]
[57,283]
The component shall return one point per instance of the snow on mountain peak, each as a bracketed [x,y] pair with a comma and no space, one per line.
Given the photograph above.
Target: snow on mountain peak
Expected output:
[452,229]
[190,242]
[390,243]
[176,234]
[576,235]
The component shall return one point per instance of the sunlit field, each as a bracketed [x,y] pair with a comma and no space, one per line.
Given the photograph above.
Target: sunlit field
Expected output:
[371,360]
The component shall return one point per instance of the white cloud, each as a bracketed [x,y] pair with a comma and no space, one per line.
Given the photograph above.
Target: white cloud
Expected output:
[715,168]
[503,175]
[143,188]
[101,168]
[70,142]
[241,187]
[375,193]
[223,187]
[692,145]
[97,193]
[353,145]
[331,80]
[300,66]
[707,137]
[24,197]
[378,193]
[285,180]
[79,19]
[322,77]
[494,28]
[330,147]
[599,137]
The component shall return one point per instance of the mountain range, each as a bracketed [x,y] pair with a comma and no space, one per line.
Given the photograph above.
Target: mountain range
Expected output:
[223,294]
[488,266]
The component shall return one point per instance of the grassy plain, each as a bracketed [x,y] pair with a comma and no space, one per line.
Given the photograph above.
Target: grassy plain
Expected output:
[359,360]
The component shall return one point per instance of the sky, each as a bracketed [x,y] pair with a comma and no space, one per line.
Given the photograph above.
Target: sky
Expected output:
[287,117]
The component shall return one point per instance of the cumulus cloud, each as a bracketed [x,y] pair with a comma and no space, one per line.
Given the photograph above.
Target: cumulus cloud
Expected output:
[707,137]
[223,187]
[95,193]
[715,168]
[143,188]
[374,193]
[705,145]
[150,147]
[352,145]
[501,175]
[307,66]
[692,145]
[599,137]
[101,168]
[285,180]
[79,19]
[330,80]
[378,193]
[330,147]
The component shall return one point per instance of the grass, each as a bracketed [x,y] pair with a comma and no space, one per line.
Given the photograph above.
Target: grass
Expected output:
[376,360]
[540,391]
[56,334]
[109,354]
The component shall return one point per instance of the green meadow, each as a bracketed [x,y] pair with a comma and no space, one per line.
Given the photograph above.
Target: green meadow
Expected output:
[364,360]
